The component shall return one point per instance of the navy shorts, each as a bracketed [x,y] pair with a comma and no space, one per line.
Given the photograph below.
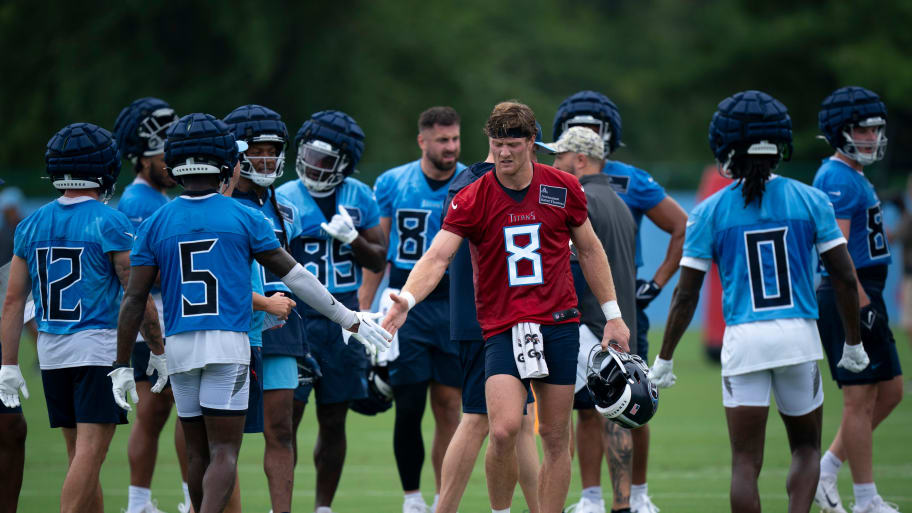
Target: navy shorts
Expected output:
[4,409]
[561,345]
[141,354]
[287,340]
[254,421]
[642,339]
[426,352]
[884,358]
[80,395]
[342,365]
[472,357]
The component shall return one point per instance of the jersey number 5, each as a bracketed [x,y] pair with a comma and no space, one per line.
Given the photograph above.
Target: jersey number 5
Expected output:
[189,274]
[768,269]
[52,290]
[527,252]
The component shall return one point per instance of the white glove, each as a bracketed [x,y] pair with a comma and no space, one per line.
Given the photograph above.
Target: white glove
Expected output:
[122,379]
[11,381]
[341,227]
[661,373]
[854,358]
[374,338]
[158,362]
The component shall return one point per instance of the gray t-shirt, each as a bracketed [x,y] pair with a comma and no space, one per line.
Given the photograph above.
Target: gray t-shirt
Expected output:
[614,225]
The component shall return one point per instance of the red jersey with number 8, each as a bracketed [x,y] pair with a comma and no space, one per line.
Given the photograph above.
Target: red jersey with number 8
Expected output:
[520,249]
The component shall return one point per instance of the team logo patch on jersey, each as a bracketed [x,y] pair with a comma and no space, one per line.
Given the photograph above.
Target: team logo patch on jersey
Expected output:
[286,212]
[620,184]
[355,214]
[554,196]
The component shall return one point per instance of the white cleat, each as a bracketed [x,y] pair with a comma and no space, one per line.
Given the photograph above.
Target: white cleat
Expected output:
[642,504]
[827,495]
[151,507]
[415,506]
[184,507]
[586,506]
[877,505]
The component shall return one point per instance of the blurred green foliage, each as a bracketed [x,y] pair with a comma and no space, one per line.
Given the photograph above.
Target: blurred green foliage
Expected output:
[666,63]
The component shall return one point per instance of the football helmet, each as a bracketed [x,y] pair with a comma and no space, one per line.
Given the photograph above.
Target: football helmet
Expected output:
[141,128]
[329,146]
[620,387]
[258,124]
[201,144]
[590,108]
[752,123]
[379,392]
[850,107]
[83,156]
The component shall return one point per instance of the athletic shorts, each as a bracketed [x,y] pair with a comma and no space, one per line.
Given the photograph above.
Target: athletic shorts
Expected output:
[280,372]
[141,354]
[472,358]
[218,389]
[342,365]
[287,340]
[254,421]
[5,410]
[425,351]
[642,338]
[884,358]
[798,388]
[80,395]
[561,346]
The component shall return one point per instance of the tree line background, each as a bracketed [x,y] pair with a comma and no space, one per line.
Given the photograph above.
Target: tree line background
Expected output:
[666,63]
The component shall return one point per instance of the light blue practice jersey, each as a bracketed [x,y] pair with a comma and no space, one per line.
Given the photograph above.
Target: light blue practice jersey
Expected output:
[853,198]
[765,253]
[414,209]
[139,201]
[289,214]
[204,247]
[66,245]
[331,261]
[255,335]
[638,190]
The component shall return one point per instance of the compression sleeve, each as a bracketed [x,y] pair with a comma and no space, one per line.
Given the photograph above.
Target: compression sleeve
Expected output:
[309,289]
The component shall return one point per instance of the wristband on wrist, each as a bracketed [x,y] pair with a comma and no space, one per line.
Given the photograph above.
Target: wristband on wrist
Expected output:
[611,310]
[409,298]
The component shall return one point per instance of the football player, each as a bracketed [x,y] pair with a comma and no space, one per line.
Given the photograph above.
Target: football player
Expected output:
[853,121]
[581,152]
[519,221]
[140,131]
[411,199]
[763,232]
[340,233]
[643,195]
[266,136]
[73,255]
[204,244]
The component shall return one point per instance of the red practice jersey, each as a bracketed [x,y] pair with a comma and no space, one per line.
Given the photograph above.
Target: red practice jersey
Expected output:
[520,250]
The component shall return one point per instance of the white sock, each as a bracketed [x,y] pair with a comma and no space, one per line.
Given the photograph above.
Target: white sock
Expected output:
[830,464]
[500,510]
[324,509]
[436,500]
[414,496]
[864,493]
[593,493]
[138,498]
[639,490]
[186,492]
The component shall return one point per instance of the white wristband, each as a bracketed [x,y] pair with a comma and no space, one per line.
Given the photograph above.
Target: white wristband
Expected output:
[409,298]
[611,310]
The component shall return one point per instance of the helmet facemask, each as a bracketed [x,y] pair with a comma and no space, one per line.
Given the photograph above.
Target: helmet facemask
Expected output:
[865,152]
[320,165]
[588,121]
[263,170]
[154,130]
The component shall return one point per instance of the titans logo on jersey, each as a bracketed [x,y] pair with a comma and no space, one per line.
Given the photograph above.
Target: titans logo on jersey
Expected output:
[638,190]
[764,252]
[288,215]
[66,245]
[140,200]
[204,246]
[414,208]
[331,261]
[853,197]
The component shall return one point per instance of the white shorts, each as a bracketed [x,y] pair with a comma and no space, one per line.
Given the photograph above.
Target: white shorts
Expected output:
[798,388]
[216,389]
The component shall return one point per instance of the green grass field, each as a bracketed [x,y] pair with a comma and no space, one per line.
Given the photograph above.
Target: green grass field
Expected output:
[689,461]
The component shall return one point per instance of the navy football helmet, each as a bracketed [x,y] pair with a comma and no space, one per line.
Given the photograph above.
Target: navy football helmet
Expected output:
[141,128]
[752,123]
[590,108]
[620,387]
[258,124]
[850,107]
[379,393]
[83,156]
[329,146]
[201,144]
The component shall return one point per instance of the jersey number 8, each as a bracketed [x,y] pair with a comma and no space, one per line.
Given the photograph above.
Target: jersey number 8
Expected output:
[528,252]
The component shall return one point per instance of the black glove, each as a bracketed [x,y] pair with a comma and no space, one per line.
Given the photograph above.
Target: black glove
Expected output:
[874,328]
[646,292]
[308,370]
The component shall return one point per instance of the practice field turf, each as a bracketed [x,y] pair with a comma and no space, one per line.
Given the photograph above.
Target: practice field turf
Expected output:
[689,461]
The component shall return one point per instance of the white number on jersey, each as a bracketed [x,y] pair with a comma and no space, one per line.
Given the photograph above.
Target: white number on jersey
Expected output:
[528,252]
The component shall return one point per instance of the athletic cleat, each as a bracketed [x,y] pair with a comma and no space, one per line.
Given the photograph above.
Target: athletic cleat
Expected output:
[827,496]
[586,506]
[642,504]
[415,506]
[184,507]
[877,505]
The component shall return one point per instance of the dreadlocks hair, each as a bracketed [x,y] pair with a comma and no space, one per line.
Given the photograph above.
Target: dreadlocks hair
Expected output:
[275,206]
[751,173]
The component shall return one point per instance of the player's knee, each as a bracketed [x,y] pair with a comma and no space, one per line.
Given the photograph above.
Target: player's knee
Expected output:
[554,435]
[280,434]
[504,432]
[475,424]
[15,430]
